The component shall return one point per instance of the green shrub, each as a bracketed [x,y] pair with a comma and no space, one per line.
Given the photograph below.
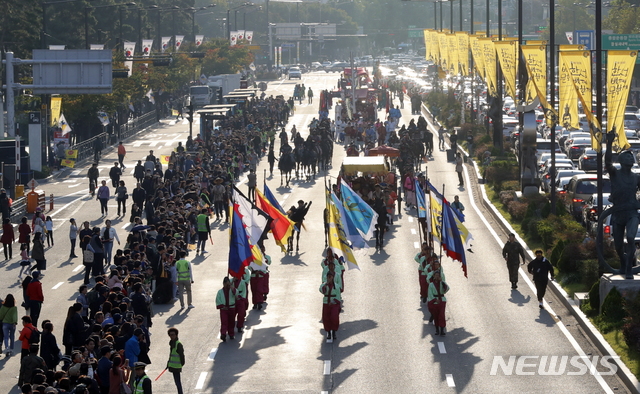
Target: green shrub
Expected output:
[533,228]
[511,185]
[506,196]
[631,328]
[556,253]
[613,309]
[588,269]
[594,296]
[517,210]
[568,261]
[547,232]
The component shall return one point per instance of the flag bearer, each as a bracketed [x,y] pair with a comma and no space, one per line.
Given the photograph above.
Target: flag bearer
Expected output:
[331,306]
[226,302]
[438,302]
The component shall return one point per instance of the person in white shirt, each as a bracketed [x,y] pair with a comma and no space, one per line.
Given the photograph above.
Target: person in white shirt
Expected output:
[107,235]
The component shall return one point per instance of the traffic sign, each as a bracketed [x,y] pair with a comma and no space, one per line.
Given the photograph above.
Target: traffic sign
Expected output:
[288,45]
[262,86]
[32,184]
[584,37]
[621,41]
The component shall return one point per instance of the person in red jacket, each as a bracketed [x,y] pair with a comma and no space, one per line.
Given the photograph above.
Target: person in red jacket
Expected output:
[35,296]
[25,335]
[121,154]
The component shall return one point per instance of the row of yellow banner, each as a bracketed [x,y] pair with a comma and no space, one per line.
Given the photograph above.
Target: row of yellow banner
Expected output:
[451,52]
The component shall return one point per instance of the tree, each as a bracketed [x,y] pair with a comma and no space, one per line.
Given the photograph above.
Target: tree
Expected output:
[623,18]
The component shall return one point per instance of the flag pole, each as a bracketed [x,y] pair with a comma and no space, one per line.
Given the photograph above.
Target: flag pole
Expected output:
[442,221]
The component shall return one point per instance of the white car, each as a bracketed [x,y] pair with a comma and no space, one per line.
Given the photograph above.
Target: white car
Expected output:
[294,72]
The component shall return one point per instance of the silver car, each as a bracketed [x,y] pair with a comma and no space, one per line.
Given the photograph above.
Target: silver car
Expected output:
[631,121]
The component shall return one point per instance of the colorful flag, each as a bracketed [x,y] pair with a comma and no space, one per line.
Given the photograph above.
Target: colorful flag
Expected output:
[199,39]
[146,47]
[337,238]
[240,35]
[103,117]
[240,254]
[256,223]
[129,49]
[435,213]
[362,215]
[165,43]
[68,163]
[281,226]
[420,198]
[71,154]
[66,129]
[351,232]
[233,36]
[248,35]
[178,42]
[149,95]
[451,238]
[164,159]
[272,199]
[56,105]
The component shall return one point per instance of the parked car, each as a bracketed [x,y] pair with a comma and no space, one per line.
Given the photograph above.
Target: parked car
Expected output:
[577,146]
[294,72]
[580,188]
[590,211]
[631,121]
[560,173]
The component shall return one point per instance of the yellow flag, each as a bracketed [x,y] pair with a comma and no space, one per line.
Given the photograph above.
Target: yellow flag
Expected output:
[164,159]
[68,163]
[536,42]
[550,113]
[489,54]
[56,105]
[578,64]
[427,44]
[507,51]
[443,45]
[71,154]
[619,73]
[536,58]
[435,47]
[478,59]
[463,52]
[337,239]
[568,98]
[452,40]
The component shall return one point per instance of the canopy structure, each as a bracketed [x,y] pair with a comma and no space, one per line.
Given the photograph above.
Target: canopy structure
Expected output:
[371,165]
[384,150]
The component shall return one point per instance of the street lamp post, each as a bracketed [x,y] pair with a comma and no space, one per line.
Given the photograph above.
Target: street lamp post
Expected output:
[552,94]
[247,4]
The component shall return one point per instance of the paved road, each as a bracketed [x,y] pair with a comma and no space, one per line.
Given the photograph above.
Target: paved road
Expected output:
[385,344]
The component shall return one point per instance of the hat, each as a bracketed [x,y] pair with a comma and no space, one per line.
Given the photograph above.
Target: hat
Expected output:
[188,206]
[2,190]
[117,317]
[218,179]
[126,300]
[35,274]
[139,364]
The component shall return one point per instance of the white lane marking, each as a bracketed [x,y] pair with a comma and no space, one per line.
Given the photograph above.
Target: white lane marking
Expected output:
[324,392]
[58,285]
[75,173]
[410,219]
[561,326]
[137,144]
[78,268]
[70,181]
[154,143]
[441,348]
[126,226]
[416,245]
[327,367]
[76,185]
[201,379]
[212,355]
[413,231]
[450,381]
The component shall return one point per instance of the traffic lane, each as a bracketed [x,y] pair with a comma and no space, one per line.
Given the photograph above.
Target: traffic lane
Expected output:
[385,339]
[488,285]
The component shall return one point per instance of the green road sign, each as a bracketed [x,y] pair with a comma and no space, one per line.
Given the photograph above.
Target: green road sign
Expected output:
[621,41]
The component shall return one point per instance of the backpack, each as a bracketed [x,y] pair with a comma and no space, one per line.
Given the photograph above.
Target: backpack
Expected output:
[35,336]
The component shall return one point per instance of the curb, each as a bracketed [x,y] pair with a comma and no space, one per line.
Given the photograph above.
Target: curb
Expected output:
[623,372]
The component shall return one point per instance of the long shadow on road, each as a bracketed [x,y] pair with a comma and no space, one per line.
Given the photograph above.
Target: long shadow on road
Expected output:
[460,340]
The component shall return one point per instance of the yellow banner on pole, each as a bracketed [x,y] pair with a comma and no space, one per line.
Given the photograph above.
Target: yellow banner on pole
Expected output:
[489,54]
[619,73]
[443,45]
[478,59]
[71,153]
[549,112]
[452,40]
[56,105]
[508,56]
[463,52]
[427,44]
[68,163]
[568,98]
[435,47]
[578,64]
[536,58]
[536,42]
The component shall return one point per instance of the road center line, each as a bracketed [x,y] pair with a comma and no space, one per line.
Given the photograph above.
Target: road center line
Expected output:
[410,219]
[327,367]
[212,355]
[450,381]
[413,231]
[58,285]
[201,379]
[78,268]
[416,245]
[441,348]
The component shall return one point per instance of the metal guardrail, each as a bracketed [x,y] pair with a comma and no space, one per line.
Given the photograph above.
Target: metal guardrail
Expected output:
[19,209]
[86,148]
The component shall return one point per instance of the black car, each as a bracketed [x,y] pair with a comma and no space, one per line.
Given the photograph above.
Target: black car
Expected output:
[590,212]
[588,160]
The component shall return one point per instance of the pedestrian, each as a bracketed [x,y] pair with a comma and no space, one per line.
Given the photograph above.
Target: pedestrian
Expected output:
[119,374]
[257,285]
[93,174]
[132,346]
[30,363]
[5,205]
[9,319]
[107,235]
[49,350]
[104,367]
[242,302]
[226,303]
[331,304]
[24,233]
[48,227]
[35,296]
[73,237]
[97,150]
[459,169]
[25,335]
[97,247]
[540,268]
[138,172]
[438,302]
[121,198]
[271,158]
[453,140]
[185,279]
[121,154]
[441,138]
[103,197]
[310,95]
[204,229]
[470,143]
[422,259]
[25,262]
[38,252]
[176,357]
[115,173]
[512,252]
[7,239]
[457,204]
[252,182]
[141,383]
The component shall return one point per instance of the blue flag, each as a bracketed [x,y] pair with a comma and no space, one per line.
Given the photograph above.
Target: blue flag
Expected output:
[361,214]
[451,238]
[272,199]
[351,232]
[240,254]
[420,199]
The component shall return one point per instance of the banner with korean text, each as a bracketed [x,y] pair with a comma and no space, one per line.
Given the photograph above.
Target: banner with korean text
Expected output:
[507,51]
[619,73]
[463,52]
